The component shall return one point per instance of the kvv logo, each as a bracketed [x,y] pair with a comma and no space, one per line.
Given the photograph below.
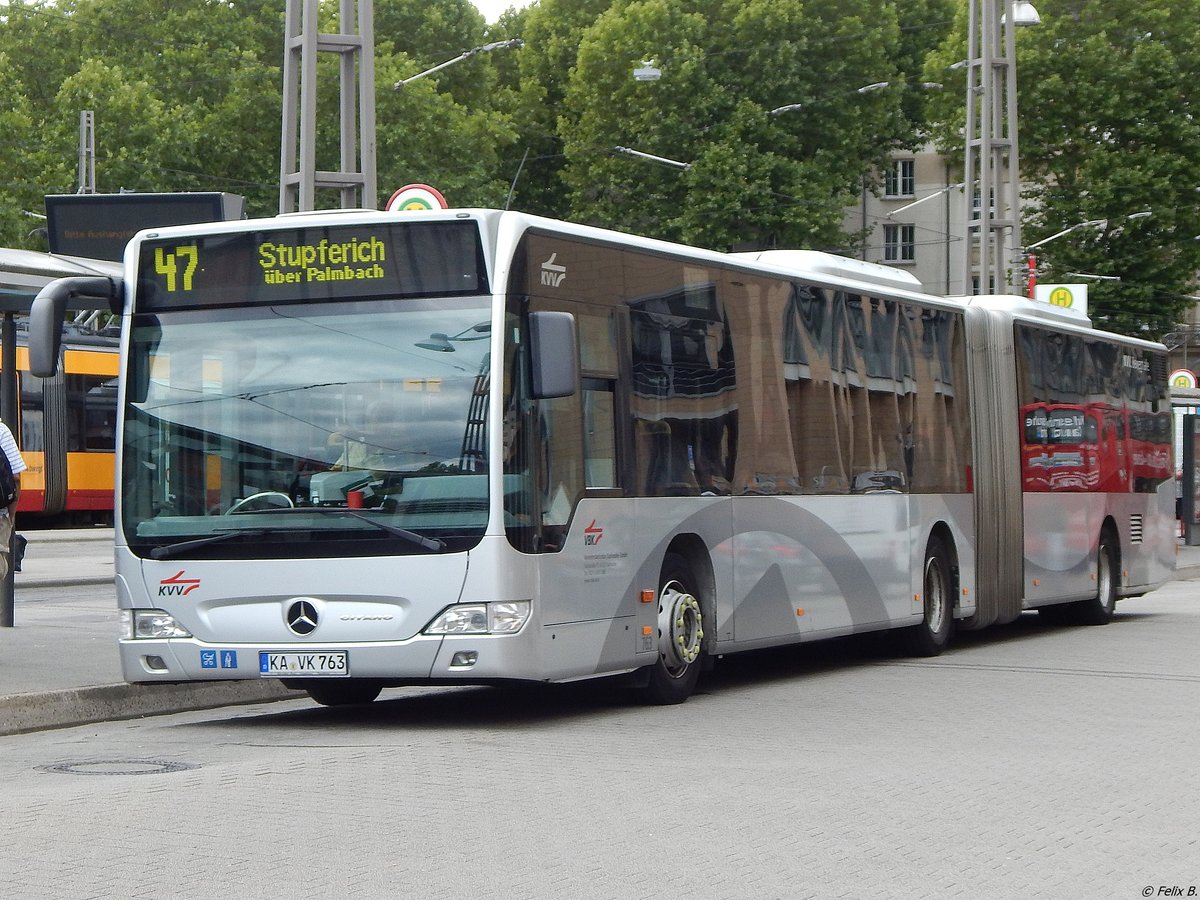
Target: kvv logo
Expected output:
[177,585]
[553,274]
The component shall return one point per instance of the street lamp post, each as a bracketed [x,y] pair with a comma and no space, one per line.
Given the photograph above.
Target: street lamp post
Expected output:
[514,44]
[674,163]
[1031,260]
[865,89]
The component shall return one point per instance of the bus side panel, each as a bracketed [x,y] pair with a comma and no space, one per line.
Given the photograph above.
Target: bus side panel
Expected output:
[1148,546]
[589,595]
[825,565]
[1061,533]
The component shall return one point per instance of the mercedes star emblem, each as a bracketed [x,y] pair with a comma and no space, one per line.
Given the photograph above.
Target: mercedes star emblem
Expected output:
[302,617]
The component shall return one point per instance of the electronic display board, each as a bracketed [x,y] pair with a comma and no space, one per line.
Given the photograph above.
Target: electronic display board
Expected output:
[315,263]
[98,226]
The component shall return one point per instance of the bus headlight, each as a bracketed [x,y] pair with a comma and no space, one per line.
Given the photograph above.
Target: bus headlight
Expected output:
[143,624]
[508,617]
[505,617]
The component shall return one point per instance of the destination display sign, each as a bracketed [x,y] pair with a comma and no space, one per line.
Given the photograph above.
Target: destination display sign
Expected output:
[343,262]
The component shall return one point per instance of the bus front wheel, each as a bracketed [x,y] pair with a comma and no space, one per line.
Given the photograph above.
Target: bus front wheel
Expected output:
[343,692]
[680,636]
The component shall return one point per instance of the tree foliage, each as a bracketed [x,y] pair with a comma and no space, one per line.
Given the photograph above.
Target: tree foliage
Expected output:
[179,95]
[188,97]
[755,179]
[1108,129]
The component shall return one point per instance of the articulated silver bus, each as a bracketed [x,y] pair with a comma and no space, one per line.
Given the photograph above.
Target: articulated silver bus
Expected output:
[362,449]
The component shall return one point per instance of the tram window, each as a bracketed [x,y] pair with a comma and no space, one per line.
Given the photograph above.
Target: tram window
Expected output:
[91,412]
[32,434]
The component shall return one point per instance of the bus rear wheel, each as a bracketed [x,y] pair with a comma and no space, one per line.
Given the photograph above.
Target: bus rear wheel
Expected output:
[932,635]
[680,636]
[1099,609]
[343,693]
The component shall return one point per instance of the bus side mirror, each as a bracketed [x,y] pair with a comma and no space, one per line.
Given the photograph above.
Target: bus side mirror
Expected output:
[554,356]
[47,313]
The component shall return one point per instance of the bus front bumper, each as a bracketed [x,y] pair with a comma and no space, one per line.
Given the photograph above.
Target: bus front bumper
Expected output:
[433,658]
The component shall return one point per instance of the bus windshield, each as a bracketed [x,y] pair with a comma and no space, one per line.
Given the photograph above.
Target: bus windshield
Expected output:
[349,428]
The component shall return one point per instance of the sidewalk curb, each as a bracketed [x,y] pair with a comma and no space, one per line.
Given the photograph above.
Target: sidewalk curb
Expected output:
[20,713]
[86,706]
[81,581]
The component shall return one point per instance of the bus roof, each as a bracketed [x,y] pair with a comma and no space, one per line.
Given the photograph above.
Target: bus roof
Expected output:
[825,269]
[1027,310]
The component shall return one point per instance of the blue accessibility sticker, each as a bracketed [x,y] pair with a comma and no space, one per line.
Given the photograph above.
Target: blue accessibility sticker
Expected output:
[229,659]
[208,659]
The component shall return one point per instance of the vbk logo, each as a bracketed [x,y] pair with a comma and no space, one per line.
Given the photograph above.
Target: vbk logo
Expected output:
[553,274]
[177,585]
[592,534]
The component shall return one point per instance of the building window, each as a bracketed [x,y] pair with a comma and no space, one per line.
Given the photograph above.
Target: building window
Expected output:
[975,282]
[899,243]
[900,179]
[976,204]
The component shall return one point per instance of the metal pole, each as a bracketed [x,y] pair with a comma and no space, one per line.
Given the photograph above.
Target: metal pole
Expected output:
[1013,250]
[9,411]
[991,151]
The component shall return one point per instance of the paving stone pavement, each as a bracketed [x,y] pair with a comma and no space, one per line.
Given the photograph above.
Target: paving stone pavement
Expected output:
[1028,761]
[59,664]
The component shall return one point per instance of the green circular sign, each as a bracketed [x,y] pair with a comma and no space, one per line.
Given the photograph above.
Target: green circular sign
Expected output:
[1062,296]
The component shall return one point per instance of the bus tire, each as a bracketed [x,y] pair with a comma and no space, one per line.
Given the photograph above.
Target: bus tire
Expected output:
[343,692]
[1058,614]
[1099,609]
[932,635]
[680,636]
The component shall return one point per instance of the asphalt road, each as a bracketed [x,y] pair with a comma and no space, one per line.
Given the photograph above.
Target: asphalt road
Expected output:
[1028,761]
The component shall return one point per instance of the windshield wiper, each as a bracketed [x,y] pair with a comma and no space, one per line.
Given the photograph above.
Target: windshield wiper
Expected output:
[420,540]
[168,550]
[426,543]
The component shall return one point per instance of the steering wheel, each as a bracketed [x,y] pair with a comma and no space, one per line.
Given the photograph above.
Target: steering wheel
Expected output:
[260,501]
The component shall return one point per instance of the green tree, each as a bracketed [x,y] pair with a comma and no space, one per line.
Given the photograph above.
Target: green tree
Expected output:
[18,196]
[445,129]
[755,178]
[924,24]
[552,31]
[180,94]
[429,32]
[1108,128]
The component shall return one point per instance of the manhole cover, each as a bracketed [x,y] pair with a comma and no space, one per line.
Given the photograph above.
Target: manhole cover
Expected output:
[119,767]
